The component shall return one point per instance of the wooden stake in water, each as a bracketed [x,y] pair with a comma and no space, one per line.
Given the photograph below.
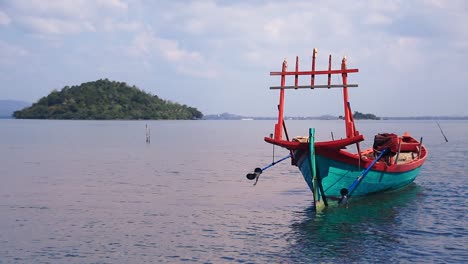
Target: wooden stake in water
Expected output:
[446,140]
[148,134]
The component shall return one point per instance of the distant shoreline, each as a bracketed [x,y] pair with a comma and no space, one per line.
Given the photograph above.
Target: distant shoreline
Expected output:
[328,117]
[275,118]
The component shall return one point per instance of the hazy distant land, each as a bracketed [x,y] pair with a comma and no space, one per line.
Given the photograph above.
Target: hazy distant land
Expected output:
[228,116]
[7,107]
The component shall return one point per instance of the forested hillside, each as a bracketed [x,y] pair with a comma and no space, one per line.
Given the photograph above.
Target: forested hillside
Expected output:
[104,99]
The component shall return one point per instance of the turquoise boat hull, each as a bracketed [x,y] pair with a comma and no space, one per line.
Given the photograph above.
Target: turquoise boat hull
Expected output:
[335,175]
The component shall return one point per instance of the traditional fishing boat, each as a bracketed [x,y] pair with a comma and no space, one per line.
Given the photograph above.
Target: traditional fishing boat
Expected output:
[330,170]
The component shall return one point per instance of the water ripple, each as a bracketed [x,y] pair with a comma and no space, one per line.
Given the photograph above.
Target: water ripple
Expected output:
[95,200]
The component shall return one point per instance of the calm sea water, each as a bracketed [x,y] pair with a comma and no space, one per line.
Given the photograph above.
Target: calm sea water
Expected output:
[95,192]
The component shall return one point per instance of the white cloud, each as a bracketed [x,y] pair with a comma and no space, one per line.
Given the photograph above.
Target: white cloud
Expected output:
[389,6]
[253,56]
[112,4]
[208,38]
[109,25]
[71,17]
[142,44]
[4,18]
[146,44]
[9,54]
[273,28]
[64,9]
[405,53]
[260,28]
[276,30]
[196,26]
[377,19]
[57,26]
[12,50]
[68,8]
[171,51]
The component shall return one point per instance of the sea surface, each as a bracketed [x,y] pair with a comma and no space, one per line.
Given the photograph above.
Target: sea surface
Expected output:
[96,192]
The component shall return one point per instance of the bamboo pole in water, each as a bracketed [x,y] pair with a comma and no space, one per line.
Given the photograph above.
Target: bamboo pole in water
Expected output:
[148,134]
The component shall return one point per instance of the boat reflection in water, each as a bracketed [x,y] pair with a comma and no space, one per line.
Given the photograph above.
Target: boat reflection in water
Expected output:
[374,224]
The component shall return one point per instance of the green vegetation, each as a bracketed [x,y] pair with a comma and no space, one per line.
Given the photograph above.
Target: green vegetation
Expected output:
[104,99]
[359,115]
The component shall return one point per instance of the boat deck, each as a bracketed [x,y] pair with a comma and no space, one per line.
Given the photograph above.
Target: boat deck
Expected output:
[403,157]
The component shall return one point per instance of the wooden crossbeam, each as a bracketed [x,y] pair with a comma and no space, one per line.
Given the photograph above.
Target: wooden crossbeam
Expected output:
[312,86]
[314,72]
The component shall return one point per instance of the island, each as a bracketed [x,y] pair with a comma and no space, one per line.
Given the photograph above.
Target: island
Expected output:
[360,116]
[106,100]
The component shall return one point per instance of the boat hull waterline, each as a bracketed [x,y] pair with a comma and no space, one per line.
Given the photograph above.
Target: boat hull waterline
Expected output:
[337,175]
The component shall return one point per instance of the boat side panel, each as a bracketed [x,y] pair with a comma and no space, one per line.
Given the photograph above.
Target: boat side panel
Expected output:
[337,175]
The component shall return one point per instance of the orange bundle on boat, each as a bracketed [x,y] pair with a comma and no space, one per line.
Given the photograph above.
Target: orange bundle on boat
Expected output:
[386,141]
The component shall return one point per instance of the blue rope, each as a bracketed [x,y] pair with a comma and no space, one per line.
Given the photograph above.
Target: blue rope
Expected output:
[274,163]
[360,177]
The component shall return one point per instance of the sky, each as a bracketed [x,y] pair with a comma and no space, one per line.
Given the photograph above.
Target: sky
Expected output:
[217,55]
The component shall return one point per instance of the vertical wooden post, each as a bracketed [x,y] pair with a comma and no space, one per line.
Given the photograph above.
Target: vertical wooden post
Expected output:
[319,202]
[398,153]
[329,69]
[279,125]
[349,122]
[420,147]
[312,76]
[296,79]
[148,134]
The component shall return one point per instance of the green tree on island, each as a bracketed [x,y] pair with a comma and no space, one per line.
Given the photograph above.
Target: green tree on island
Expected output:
[359,115]
[104,99]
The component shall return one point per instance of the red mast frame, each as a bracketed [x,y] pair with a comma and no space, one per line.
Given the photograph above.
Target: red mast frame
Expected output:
[343,71]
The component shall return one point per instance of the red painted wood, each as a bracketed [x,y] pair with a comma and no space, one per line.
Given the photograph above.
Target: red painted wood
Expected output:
[334,150]
[329,69]
[296,145]
[353,159]
[314,72]
[312,76]
[296,79]
[349,121]
[279,125]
